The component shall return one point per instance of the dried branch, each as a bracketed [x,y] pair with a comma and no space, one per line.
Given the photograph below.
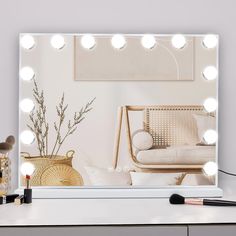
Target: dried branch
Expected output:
[41,116]
[39,124]
[61,114]
[40,127]
[78,118]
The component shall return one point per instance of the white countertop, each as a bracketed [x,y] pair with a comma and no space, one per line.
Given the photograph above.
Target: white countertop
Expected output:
[45,212]
[52,212]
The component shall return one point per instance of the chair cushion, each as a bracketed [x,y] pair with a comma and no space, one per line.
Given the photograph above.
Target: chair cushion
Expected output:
[178,155]
[156,179]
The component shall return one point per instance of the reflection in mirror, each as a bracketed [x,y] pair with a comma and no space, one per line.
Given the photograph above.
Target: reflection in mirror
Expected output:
[143,58]
[140,116]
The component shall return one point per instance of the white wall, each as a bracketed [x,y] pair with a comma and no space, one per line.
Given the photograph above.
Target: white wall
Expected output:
[132,16]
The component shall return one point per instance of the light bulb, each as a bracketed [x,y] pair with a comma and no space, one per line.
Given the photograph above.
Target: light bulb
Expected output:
[210,168]
[178,41]
[27,168]
[27,41]
[58,41]
[210,104]
[210,73]
[118,41]
[148,41]
[27,73]
[210,136]
[88,41]
[210,41]
[27,137]
[27,105]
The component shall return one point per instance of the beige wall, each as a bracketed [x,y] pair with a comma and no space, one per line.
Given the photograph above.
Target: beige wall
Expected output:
[93,141]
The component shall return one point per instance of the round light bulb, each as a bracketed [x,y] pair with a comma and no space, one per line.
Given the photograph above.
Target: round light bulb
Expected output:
[27,105]
[88,41]
[27,41]
[210,168]
[27,168]
[210,41]
[148,41]
[58,41]
[118,41]
[178,41]
[210,136]
[210,104]
[210,73]
[27,137]
[27,73]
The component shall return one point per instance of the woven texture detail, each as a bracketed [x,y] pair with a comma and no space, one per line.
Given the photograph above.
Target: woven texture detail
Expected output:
[41,164]
[61,175]
[172,125]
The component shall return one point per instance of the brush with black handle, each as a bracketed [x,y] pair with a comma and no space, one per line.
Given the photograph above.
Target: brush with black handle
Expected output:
[178,199]
[6,147]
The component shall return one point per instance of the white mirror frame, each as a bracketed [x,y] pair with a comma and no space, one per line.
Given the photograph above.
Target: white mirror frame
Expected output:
[125,192]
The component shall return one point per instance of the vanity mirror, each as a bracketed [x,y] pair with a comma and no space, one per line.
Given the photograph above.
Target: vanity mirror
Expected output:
[111,115]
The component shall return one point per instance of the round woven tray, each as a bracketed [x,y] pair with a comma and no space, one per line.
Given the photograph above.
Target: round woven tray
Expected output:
[42,163]
[61,175]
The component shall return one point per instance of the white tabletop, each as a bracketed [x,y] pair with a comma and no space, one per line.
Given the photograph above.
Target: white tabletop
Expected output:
[46,212]
[50,212]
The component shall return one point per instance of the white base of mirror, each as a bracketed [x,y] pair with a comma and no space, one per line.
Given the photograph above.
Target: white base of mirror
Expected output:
[204,191]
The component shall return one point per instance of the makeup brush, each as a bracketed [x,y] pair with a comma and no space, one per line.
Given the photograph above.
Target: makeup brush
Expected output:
[178,199]
[5,147]
[11,140]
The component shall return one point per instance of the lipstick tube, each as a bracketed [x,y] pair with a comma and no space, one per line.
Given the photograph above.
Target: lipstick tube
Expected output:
[27,191]
[27,195]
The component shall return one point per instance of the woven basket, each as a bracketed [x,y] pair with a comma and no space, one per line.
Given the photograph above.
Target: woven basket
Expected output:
[42,163]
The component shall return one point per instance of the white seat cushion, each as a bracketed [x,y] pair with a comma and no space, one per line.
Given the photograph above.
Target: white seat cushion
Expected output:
[178,155]
[155,179]
[197,179]
[105,177]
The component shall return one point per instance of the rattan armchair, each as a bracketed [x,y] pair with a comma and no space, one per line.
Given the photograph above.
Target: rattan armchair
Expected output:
[171,121]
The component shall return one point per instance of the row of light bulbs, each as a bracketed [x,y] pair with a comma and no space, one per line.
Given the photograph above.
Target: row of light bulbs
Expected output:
[209,73]
[118,41]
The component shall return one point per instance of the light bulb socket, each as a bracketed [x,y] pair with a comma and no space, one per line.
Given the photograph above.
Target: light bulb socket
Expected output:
[27,195]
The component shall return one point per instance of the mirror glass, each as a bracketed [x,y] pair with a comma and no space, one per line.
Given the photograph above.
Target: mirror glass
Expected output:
[130,111]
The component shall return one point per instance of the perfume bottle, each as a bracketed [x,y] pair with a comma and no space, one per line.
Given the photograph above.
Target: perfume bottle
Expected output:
[5,175]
